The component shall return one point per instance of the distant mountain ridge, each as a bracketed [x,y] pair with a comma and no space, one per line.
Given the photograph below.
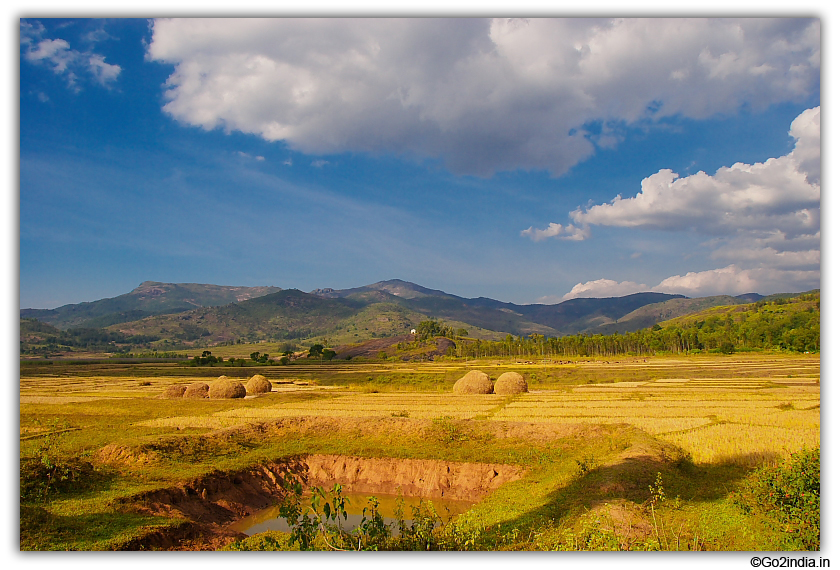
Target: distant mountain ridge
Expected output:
[210,314]
[563,318]
[148,299]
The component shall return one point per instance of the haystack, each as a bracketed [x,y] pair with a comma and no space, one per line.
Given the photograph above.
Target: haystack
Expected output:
[226,387]
[258,384]
[197,390]
[174,391]
[474,382]
[510,383]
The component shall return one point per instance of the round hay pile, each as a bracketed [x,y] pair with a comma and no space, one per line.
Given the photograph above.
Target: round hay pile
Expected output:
[510,383]
[258,384]
[226,387]
[174,391]
[474,382]
[197,390]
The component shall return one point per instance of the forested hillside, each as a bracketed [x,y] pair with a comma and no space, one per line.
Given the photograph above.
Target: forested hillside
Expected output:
[37,338]
[791,324]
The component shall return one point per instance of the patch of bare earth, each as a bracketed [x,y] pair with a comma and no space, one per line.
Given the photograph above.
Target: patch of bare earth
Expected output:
[208,505]
[371,348]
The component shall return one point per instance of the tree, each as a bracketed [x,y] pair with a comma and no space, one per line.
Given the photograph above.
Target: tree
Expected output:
[261,358]
[316,350]
[433,328]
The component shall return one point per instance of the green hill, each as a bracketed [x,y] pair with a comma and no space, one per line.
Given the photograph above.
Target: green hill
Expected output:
[649,315]
[150,298]
[175,316]
[42,339]
[568,317]
[787,322]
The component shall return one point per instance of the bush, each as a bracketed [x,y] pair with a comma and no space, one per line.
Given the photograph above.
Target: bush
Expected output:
[317,525]
[788,493]
[41,477]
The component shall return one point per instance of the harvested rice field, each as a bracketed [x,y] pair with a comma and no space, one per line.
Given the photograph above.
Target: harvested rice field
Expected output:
[713,407]
[727,414]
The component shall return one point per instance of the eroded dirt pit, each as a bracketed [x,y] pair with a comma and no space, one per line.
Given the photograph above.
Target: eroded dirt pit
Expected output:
[213,505]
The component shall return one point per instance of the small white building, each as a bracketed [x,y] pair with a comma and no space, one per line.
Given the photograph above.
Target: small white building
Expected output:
[413,331]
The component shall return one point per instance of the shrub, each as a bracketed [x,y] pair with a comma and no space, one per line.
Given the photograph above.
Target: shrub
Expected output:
[317,525]
[788,493]
[43,476]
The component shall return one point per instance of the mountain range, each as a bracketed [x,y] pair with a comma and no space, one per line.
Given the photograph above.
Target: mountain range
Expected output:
[203,315]
[149,298]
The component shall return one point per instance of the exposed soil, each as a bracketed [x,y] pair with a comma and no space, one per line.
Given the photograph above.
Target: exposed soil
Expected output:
[208,504]
[371,348]
[211,503]
[415,477]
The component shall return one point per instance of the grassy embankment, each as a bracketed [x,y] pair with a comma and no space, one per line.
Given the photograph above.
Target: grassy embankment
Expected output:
[702,422]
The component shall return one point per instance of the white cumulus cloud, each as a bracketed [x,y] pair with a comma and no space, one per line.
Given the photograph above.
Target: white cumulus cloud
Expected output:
[730,280]
[779,194]
[763,219]
[604,288]
[484,95]
[733,280]
[570,232]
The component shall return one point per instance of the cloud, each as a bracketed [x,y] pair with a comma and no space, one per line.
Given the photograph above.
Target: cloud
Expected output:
[604,288]
[65,61]
[249,156]
[104,73]
[570,232]
[483,95]
[733,280]
[779,194]
[730,280]
[319,163]
[762,215]
[98,35]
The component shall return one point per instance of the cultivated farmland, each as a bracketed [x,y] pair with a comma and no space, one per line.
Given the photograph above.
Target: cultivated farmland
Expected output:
[602,427]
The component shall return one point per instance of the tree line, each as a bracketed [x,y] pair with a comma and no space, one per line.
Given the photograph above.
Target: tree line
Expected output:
[783,324]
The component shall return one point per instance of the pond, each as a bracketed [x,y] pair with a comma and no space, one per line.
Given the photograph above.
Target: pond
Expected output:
[267,519]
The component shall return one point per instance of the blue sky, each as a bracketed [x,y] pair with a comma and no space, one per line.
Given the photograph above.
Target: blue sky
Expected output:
[480,157]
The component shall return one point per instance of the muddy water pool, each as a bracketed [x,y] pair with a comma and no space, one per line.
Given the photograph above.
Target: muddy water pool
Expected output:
[267,519]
